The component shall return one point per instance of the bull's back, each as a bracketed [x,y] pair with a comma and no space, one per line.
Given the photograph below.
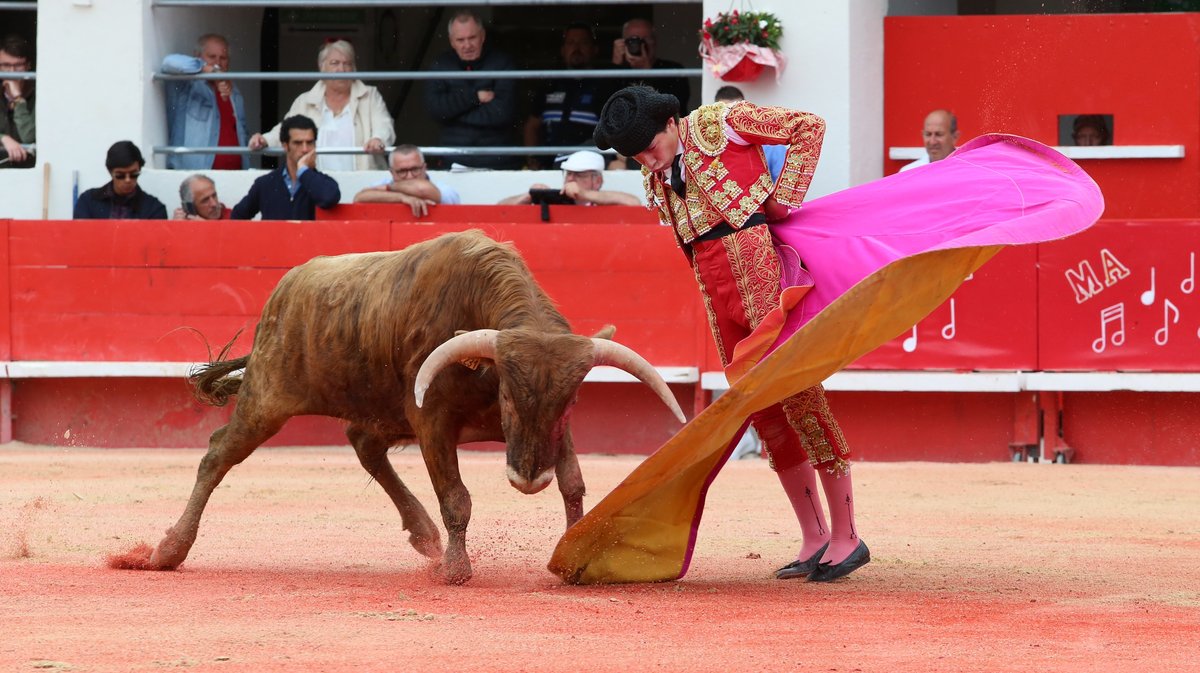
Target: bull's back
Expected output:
[359,325]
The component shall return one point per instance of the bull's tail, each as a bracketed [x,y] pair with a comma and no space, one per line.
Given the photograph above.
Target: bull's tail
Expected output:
[215,382]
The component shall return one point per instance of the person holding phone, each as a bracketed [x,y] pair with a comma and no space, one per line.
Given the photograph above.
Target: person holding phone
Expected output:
[583,177]
[199,201]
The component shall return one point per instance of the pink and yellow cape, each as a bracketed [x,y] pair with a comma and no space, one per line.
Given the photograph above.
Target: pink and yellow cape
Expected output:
[877,258]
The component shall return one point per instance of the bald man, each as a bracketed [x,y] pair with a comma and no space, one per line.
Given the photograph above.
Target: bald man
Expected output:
[940,135]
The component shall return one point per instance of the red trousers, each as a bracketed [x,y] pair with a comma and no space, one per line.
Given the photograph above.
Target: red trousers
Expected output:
[739,278]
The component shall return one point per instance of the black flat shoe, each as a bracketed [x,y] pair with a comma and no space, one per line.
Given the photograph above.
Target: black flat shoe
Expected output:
[801,568]
[824,572]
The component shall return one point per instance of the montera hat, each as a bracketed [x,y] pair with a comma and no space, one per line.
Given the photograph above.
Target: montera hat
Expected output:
[631,117]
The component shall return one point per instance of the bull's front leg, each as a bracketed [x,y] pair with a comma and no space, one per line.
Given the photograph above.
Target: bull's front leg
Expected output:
[570,481]
[441,458]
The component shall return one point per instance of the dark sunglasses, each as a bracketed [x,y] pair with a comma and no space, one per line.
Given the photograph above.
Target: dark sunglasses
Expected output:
[122,175]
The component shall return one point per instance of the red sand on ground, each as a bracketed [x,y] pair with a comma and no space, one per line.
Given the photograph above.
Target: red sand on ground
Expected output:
[301,565]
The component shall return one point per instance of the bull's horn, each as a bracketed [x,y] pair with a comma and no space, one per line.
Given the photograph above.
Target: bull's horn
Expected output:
[480,343]
[623,357]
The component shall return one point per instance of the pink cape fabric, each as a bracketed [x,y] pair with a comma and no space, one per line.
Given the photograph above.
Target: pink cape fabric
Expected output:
[994,190]
[876,259]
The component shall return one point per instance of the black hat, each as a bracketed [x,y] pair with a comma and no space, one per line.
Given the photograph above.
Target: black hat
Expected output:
[632,117]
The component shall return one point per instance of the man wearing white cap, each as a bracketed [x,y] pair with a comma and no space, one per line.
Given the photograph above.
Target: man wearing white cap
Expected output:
[583,176]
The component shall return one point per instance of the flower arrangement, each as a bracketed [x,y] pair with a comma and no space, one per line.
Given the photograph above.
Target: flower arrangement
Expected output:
[761,29]
[738,45]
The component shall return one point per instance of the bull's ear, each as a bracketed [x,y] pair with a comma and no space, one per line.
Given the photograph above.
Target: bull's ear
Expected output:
[605,332]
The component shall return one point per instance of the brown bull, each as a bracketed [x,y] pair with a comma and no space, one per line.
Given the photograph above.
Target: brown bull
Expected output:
[364,337]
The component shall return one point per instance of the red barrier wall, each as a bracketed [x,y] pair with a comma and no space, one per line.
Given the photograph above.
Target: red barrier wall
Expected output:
[117,291]
[1016,74]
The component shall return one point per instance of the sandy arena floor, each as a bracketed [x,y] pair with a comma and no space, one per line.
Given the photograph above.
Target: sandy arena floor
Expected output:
[301,565]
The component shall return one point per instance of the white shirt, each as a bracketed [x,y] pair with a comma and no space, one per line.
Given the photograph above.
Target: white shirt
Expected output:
[335,131]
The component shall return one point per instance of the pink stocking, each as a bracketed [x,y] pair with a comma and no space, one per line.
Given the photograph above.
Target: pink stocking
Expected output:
[800,484]
[839,493]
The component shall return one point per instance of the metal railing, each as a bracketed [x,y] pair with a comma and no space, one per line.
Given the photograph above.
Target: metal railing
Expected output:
[12,74]
[25,6]
[432,151]
[395,3]
[438,74]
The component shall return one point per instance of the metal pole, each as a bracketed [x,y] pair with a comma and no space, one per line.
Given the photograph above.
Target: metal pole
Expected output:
[397,3]
[438,74]
[429,151]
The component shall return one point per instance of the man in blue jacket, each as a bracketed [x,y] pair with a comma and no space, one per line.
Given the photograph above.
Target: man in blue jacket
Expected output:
[204,113]
[295,191]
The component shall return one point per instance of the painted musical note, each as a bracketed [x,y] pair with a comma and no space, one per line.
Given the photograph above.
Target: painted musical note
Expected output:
[1114,313]
[949,330]
[910,343]
[1189,283]
[1148,295]
[1161,336]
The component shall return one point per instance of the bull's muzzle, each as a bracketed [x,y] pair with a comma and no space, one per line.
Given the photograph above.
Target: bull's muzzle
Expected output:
[530,486]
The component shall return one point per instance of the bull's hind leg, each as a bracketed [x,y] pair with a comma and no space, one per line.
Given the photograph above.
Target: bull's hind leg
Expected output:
[372,453]
[227,447]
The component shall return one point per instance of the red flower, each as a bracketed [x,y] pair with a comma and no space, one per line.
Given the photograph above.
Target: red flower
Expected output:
[708,23]
[733,21]
[765,34]
[726,29]
[735,14]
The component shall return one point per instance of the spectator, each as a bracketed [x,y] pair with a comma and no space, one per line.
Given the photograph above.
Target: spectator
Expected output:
[1090,131]
[565,109]
[940,134]
[295,191]
[204,113]
[636,49]
[121,198]
[583,177]
[409,183]
[17,123]
[473,112]
[775,154]
[348,113]
[198,196]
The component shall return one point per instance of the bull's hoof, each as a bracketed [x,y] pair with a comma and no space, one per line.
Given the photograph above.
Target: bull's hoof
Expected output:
[170,552]
[455,569]
[428,545]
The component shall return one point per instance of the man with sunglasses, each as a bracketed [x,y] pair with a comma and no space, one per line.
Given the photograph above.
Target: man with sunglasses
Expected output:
[121,198]
[409,183]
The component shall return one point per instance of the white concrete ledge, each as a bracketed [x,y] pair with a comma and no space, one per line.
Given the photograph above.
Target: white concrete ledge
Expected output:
[29,369]
[994,382]
[1098,152]
[1157,382]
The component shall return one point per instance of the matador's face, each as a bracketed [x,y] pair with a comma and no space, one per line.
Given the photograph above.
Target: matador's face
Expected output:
[659,154]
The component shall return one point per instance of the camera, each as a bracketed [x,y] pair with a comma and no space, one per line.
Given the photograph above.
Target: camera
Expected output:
[634,45]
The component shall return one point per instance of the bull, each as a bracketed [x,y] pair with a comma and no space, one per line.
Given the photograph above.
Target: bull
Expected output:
[445,342]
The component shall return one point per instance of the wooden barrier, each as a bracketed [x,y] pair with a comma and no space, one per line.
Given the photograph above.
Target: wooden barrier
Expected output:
[103,319]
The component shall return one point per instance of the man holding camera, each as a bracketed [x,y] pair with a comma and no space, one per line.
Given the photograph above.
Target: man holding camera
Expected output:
[636,50]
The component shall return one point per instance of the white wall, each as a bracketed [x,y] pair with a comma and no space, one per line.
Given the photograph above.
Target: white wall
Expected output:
[95,67]
[835,69]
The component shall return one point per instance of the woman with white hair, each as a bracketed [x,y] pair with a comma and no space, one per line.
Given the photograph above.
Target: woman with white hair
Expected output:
[347,112]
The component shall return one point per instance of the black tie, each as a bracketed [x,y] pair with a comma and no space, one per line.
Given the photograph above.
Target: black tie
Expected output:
[677,177]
